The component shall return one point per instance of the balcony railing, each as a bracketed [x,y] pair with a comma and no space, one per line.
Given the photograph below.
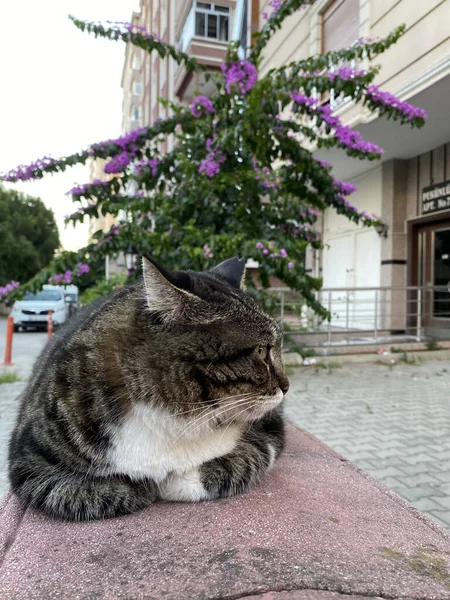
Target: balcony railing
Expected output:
[367,315]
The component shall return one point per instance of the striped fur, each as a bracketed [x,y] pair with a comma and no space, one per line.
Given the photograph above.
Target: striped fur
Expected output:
[170,389]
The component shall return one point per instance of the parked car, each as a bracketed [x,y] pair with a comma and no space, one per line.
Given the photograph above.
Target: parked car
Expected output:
[72,299]
[33,309]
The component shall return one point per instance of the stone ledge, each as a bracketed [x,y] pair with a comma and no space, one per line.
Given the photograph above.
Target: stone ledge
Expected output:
[316,528]
[293,359]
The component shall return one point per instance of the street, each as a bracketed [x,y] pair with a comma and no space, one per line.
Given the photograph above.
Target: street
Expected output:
[392,422]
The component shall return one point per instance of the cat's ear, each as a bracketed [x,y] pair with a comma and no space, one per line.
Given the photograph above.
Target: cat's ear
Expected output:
[163,297]
[233,270]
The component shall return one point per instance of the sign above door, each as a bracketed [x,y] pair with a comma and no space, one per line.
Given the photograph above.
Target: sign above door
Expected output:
[436,197]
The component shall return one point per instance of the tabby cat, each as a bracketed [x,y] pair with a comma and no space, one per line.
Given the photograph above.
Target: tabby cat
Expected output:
[168,389]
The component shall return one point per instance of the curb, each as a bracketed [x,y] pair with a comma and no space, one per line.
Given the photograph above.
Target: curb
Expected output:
[293,359]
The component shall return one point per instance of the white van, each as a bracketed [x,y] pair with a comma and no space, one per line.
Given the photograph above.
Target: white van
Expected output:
[33,309]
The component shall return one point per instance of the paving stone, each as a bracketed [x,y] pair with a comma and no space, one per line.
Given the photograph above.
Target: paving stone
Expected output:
[443,476]
[417,468]
[427,504]
[443,502]
[418,479]
[413,494]
[390,471]
[391,482]
[392,423]
[443,518]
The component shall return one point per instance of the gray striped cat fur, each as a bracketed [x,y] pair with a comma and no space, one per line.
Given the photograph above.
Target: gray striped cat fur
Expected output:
[168,389]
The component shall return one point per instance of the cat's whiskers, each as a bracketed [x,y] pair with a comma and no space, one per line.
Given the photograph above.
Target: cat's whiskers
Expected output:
[197,423]
[208,407]
[207,413]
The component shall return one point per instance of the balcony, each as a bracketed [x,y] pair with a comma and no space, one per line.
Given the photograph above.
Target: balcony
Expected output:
[204,36]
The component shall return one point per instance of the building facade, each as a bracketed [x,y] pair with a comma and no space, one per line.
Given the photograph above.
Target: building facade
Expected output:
[409,188]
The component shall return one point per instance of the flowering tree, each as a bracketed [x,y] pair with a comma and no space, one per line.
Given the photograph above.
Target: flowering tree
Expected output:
[241,178]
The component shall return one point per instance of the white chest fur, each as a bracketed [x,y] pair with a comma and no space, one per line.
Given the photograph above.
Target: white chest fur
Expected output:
[153,443]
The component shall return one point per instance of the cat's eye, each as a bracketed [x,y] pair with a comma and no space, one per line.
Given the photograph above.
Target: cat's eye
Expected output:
[263,352]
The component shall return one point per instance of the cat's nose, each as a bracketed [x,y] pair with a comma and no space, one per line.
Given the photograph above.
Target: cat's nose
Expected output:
[283,382]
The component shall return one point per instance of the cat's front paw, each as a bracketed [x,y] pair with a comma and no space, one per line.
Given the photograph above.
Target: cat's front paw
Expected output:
[184,487]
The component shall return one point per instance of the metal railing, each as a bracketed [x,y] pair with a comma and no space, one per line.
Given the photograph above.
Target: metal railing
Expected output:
[368,314]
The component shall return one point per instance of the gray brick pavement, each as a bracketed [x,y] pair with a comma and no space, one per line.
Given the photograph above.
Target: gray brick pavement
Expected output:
[394,424]
[9,394]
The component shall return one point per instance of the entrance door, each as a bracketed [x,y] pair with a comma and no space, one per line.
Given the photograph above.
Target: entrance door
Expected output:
[440,274]
[431,271]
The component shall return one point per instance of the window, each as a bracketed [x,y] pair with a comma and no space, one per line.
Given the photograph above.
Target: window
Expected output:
[136,62]
[340,29]
[136,113]
[137,88]
[340,25]
[44,296]
[212,21]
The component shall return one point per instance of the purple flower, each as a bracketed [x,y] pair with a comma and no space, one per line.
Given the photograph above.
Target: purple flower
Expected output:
[283,253]
[8,288]
[87,188]
[323,163]
[32,171]
[82,268]
[241,75]
[209,167]
[346,73]
[124,28]
[303,99]
[150,163]
[345,187]
[211,164]
[376,96]
[125,143]
[119,163]
[276,5]
[260,245]
[201,105]
[346,136]
[265,251]
[56,279]
[290,265]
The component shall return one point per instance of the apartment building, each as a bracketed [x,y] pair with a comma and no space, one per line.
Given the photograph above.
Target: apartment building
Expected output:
[200,29]
[409,188]
[102,222]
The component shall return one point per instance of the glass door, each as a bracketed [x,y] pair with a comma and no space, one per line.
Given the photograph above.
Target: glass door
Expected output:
[441,273]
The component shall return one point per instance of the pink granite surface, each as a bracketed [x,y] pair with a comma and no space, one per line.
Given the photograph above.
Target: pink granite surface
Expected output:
[315,529]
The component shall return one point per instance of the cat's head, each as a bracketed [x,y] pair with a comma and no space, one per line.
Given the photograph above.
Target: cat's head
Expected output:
[226,346]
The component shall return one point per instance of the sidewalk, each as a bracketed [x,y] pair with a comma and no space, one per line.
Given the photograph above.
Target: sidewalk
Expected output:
[26,348]
[392,423]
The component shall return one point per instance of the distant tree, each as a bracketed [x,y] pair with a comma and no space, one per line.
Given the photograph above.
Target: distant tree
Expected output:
[28,236]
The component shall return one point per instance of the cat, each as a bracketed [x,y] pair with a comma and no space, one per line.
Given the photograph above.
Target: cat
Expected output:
[168,389]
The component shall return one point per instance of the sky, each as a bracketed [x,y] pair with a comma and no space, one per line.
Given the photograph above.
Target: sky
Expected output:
[59,92]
